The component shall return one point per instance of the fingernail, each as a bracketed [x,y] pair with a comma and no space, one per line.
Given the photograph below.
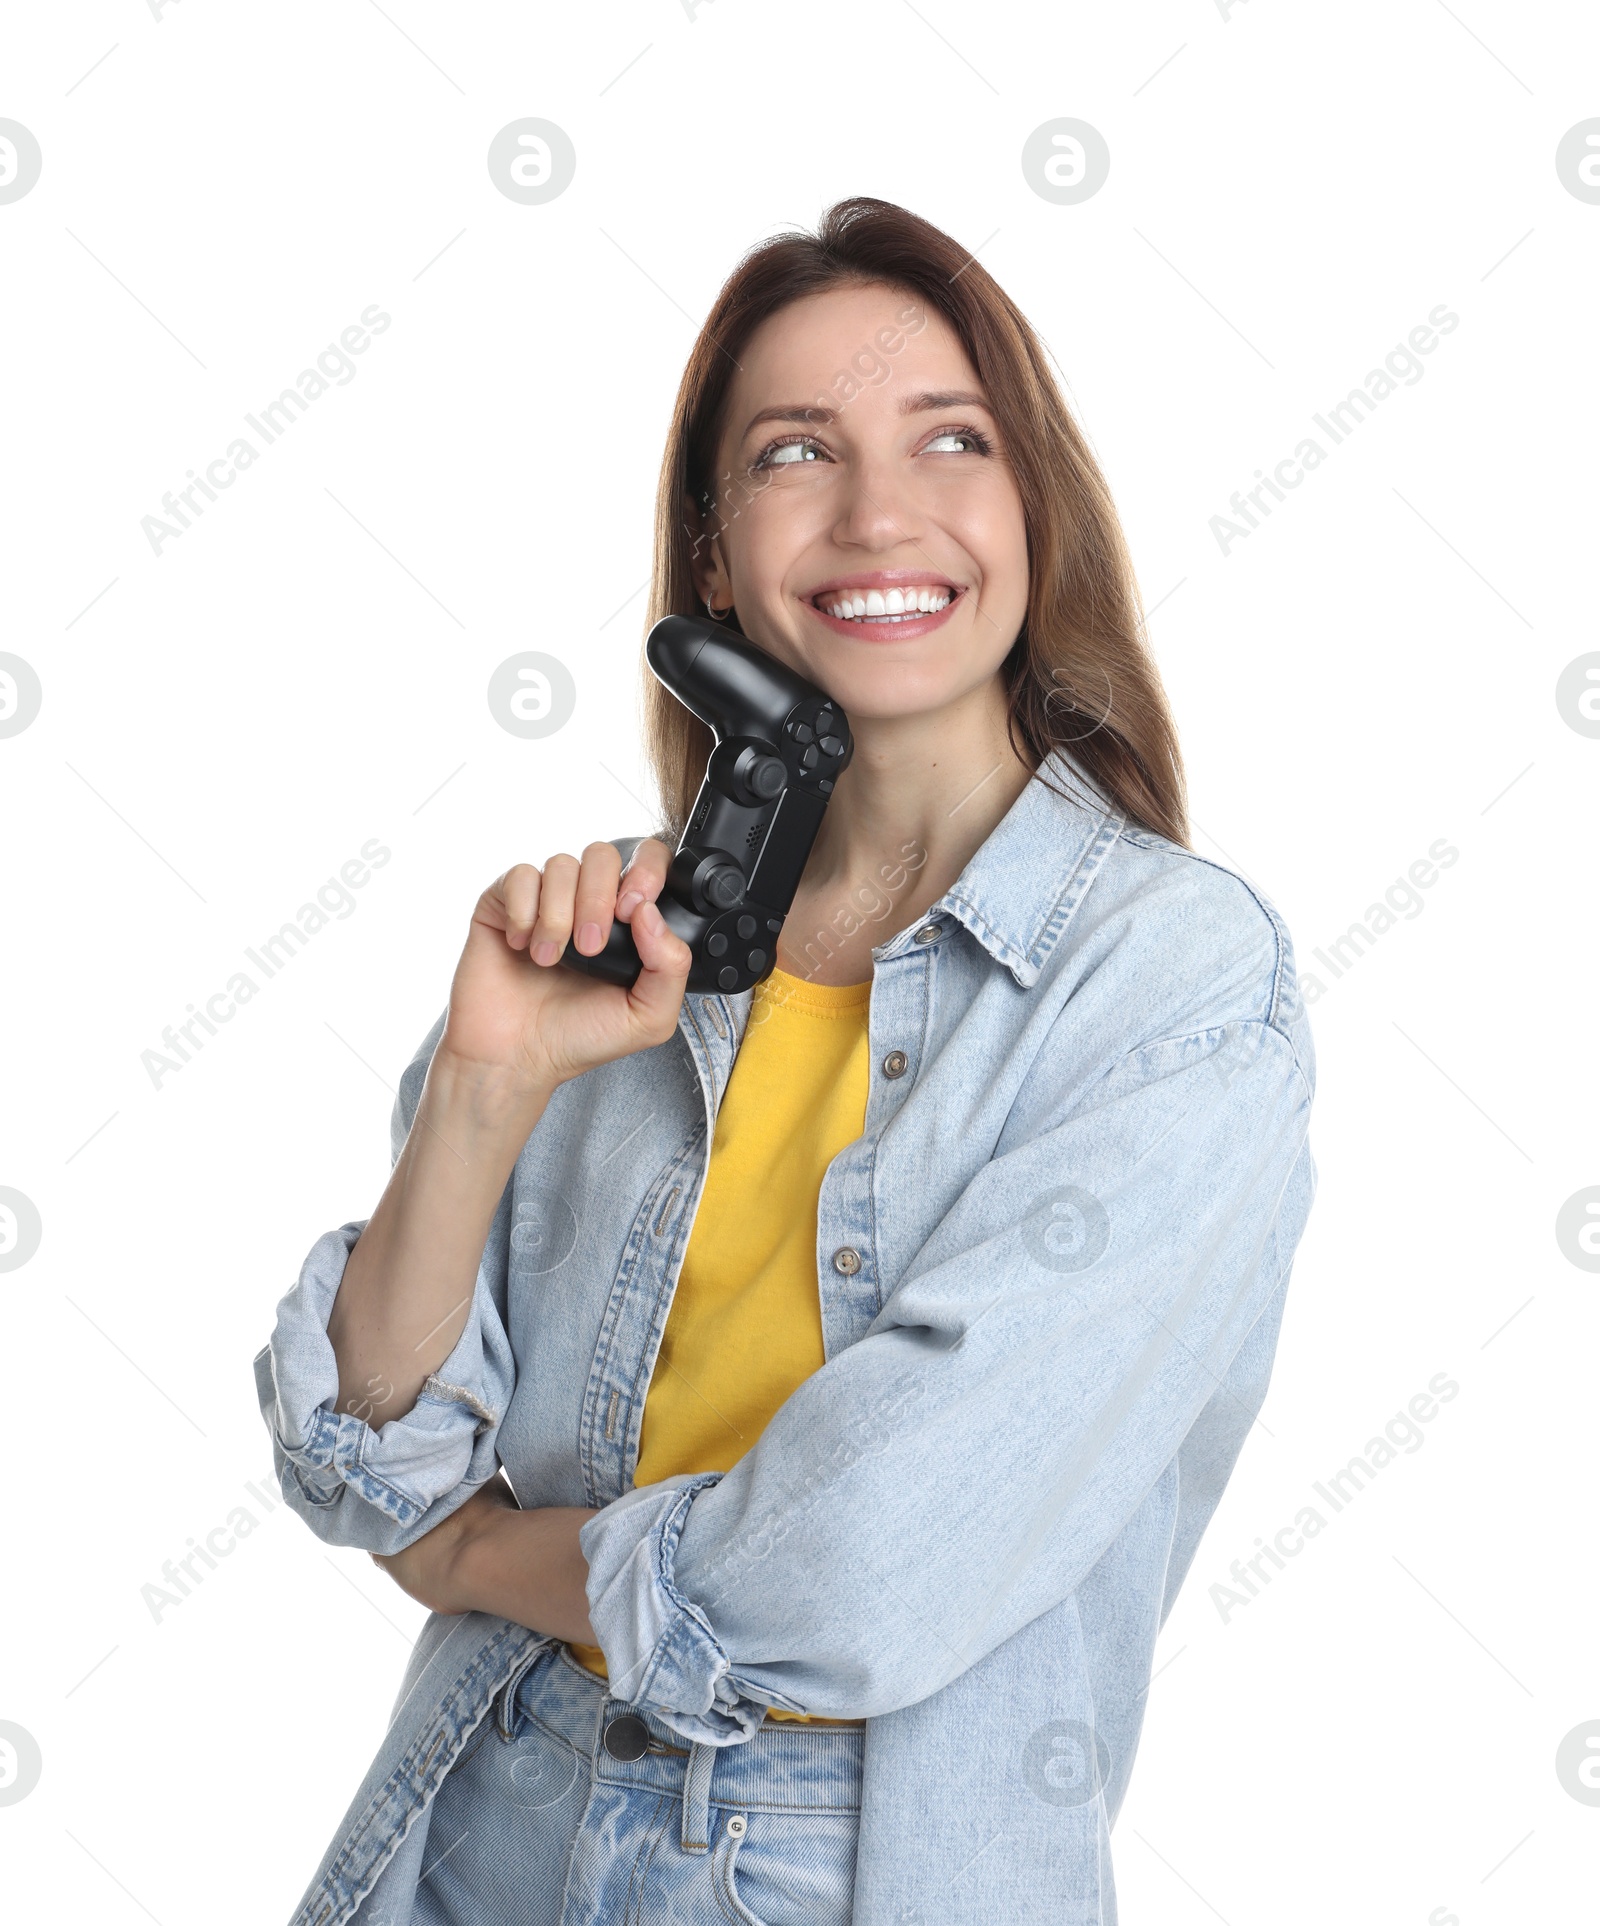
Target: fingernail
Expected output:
[629,902]
[544,952]
[589,937]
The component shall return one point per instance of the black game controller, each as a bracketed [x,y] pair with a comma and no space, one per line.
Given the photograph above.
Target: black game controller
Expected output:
[781,744]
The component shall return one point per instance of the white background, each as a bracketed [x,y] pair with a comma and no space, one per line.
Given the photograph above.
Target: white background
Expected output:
[224,725]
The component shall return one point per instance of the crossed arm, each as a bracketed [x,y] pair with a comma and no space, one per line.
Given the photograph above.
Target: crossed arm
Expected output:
[488,1556]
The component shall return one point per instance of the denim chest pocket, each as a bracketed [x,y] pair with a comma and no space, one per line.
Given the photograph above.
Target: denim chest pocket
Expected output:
[785,1868]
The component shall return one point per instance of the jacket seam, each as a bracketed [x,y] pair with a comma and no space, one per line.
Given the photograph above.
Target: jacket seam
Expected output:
[409,1509]
[871,1172]
[358,1890]
[1144,840]
[1074,887]
[600,1367]
[1084,870]
[1211,1029]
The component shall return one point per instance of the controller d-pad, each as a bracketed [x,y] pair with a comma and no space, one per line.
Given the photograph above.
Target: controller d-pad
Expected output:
[831,746]
[809,757]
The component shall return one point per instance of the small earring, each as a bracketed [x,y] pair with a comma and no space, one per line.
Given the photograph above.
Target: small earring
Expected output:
[719,615]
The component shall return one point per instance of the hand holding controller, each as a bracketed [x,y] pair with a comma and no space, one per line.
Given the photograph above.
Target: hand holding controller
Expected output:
[781,744]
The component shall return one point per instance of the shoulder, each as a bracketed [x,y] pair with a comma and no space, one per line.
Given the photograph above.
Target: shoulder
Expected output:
[1211,927]
[1169,944]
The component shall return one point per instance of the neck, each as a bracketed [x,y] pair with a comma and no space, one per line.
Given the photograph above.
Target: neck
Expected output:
[920,796]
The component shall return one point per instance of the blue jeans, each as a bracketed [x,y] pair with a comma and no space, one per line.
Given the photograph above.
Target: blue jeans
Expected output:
[551,1828]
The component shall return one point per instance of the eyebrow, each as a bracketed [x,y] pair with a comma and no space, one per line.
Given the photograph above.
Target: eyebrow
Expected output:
[916,404]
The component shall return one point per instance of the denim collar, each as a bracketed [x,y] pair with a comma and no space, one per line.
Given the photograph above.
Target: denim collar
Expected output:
[1024,884]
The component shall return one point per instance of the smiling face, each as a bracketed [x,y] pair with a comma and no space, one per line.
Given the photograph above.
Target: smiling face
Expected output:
[879,545]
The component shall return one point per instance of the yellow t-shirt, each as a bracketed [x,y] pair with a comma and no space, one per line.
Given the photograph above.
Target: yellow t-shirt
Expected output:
[745,1326]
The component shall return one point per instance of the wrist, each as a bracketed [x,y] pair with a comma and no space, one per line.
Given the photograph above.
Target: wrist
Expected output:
[526,1566]
[472,1558]
[485,1096]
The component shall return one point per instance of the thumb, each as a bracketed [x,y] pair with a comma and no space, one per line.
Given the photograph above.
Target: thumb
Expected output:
[657,995]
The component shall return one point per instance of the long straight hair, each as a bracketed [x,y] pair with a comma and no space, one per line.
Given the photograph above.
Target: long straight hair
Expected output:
[1079,676]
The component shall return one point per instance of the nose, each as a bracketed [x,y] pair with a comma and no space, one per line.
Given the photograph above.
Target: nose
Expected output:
[879,509]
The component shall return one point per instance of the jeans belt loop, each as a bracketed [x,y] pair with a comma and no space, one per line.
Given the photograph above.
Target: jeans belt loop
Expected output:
[697,1797]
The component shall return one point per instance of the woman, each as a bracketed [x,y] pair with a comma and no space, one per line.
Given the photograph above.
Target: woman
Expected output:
[866,1352]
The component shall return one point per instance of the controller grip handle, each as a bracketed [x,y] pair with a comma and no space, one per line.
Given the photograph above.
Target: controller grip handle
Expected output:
[618,961]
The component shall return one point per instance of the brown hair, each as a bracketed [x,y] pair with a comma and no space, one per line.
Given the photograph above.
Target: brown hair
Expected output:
[1079,675]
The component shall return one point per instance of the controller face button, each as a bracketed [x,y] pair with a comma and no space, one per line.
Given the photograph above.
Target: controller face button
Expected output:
[728,978]
[716,945]
[757,961]
[831,746]
[746,926]
[809,757]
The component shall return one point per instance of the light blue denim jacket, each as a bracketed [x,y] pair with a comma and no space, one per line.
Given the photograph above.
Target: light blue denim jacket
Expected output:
[1051,1272]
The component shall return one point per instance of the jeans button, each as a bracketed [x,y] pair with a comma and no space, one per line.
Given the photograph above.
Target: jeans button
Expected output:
[627,1738]
[927,933]
[847,1260]
[894,1065]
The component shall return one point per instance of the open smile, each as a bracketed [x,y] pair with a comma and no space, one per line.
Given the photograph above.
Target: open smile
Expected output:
[889,605]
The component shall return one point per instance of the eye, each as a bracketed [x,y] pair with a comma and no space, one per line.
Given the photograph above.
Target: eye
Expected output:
[787,454]
[977,443]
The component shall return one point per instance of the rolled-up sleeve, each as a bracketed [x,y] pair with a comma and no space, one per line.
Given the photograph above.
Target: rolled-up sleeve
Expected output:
[962,1468]
[378,1489]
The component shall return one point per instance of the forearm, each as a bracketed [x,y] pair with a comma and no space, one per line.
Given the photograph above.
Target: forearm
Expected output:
[526,1566]
[407,1286]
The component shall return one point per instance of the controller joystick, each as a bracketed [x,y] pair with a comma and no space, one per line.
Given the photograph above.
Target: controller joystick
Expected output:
[781,744]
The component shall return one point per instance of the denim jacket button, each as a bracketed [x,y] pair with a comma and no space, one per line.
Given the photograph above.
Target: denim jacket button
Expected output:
[894,1065]
[927,933]
[847,1260]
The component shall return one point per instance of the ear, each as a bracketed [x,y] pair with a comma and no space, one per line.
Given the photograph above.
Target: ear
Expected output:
[707,565]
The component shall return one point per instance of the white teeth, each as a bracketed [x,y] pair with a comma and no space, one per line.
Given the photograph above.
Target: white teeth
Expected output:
[891,606]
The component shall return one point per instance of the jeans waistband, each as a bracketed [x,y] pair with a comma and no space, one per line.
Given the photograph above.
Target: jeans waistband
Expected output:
[783,1767]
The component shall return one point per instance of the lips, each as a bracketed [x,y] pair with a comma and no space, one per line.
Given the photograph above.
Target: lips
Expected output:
[885,604]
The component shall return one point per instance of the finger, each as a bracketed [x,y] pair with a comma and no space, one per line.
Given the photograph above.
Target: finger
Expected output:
[596,897]
[645,876]
[657,992]
[553,924]
[518,893]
